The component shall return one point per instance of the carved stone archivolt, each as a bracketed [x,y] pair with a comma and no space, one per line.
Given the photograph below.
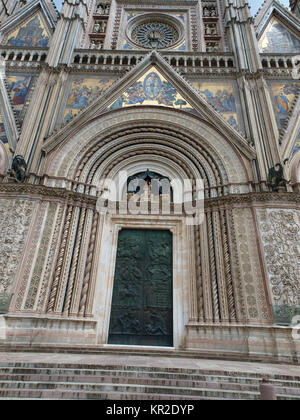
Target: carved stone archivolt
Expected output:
[63,161]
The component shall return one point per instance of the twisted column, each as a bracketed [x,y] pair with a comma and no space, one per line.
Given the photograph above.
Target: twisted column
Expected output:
[75,255]
[228,276]
[199,274]
[88,268]
[213,267]
[60,259]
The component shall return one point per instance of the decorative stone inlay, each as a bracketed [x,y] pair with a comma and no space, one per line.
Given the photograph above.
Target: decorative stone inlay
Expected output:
[15,218]
[280,237]
[30,257]
[45,284]
[41,257]
[251,274]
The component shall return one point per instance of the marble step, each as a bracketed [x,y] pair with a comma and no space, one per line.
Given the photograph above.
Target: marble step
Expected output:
[28,380]
[91,375]
[282,387]
[130,381]
[147,369]
[125,389]
[17,394]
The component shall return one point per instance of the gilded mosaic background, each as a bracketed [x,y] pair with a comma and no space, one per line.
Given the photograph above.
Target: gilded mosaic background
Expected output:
[32,33]
[223,97]
[283,93]
[20,87]
[152,89]
[82,91]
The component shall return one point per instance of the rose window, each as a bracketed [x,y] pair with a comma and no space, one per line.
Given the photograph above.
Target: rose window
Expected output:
[155,34]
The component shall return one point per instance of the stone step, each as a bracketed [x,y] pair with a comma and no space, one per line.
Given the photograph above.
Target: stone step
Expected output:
[121,373]
[128,380]
[126,389]
[217,382]
[146,369]
[90,375]
[17,394]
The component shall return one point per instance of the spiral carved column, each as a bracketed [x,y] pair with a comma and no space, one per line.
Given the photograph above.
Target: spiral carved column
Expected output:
[74,265]
[221,280]
[60,259]
[88,268]
[199,274]
[228,275]
[213,272]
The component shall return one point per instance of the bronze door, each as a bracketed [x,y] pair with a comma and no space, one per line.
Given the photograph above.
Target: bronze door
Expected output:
[142,302]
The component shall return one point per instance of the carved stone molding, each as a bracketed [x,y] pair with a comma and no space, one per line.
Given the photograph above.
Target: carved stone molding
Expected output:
[79,199]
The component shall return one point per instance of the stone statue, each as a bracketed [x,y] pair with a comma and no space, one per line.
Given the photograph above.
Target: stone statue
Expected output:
[97,27]
[93,45]
[276,179]
[19,167]
[100,9]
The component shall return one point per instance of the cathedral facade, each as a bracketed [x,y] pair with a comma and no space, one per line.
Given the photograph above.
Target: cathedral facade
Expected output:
[104,100]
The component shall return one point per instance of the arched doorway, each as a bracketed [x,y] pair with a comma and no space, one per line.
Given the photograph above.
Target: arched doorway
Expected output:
[179,147]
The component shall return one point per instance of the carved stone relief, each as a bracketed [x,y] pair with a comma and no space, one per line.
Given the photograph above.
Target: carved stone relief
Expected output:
[15,218]
[251,270]
[280,237]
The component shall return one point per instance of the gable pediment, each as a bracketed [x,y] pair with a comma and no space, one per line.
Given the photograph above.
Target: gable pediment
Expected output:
[152,88]
[277,29]
[30,26]
[277,38]
[151,82]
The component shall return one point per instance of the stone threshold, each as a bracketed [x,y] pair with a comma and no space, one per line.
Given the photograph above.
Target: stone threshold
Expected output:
[110,350]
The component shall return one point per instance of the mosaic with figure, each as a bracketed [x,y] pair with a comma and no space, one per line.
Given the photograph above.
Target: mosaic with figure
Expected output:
[284,94]
[83,91]
[277,39]
[3,136]
[222,96]
[296,147]
[32,33]
[152,89]
[19,89]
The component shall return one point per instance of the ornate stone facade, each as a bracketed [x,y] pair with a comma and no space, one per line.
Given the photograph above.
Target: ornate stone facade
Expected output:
[280,237]
[173,90]
[16,218]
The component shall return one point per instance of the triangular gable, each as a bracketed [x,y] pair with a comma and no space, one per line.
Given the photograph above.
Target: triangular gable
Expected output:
[277,38]
[152,88]
[152,63]
[31,26]
[31,33]
[277,29]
